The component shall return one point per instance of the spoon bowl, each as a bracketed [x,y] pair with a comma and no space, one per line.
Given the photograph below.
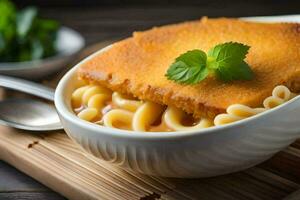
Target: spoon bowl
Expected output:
[29,114]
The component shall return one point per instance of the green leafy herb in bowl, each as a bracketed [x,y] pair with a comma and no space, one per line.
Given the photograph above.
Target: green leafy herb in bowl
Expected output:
[24,36]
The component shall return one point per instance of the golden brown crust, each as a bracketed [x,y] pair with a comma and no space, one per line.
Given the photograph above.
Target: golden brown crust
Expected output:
[137,65]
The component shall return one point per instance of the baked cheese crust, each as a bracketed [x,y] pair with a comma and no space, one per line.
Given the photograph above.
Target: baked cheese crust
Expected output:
[137,65]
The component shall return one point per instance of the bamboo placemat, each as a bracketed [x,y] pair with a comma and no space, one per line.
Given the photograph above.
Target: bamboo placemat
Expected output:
[53,159]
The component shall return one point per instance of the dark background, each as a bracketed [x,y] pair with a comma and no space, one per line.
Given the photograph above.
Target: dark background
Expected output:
[105,19]
[228,7]
[280,6]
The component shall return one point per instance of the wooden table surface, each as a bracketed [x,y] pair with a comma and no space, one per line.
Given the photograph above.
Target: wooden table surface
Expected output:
[100,23]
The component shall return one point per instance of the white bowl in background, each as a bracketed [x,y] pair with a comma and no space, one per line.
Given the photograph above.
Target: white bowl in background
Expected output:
[187,154]
[69,43]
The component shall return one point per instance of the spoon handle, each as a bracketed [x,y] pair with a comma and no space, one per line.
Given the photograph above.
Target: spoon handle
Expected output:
[27,87]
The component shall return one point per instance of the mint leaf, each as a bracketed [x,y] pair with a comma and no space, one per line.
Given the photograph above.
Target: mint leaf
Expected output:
[25,19]
[229,53]
[193,58]
[188,68]
[2,43]
[228,61]
[7,18]
[243,71]
[37,50]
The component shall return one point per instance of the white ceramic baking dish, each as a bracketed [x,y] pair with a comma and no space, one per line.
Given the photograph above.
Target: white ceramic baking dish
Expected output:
[210,152]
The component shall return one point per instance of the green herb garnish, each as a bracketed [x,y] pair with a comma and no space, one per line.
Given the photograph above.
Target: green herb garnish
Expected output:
[23,35]
[226,61]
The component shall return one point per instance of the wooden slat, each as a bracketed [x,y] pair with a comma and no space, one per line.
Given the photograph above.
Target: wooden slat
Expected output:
[30,196]
[285,165]
[294,196]
[11,180]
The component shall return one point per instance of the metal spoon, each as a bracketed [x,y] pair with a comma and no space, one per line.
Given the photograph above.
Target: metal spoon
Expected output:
[28,114]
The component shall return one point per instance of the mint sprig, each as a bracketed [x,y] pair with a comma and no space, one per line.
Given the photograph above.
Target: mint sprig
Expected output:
[189,68]
[226,61]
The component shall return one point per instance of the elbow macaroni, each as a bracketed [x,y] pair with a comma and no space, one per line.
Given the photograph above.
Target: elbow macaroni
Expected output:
[111,109]
[236,112]
[146,115]
[173,118]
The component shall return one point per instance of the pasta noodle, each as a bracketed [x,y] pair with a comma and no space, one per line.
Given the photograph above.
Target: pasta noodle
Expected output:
[280,95]
[77,96]
[118,118]
[238,112]
[88,114]
[111,109]
[173,118]
[131,105]
[146,115]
